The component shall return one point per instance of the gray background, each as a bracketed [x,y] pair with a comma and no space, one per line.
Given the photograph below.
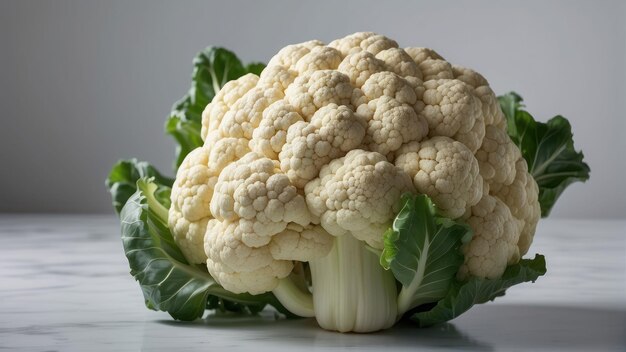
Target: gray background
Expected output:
[83,84]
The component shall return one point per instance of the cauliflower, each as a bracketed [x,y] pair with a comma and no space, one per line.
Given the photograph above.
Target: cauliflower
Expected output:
[356,182]
[308,162]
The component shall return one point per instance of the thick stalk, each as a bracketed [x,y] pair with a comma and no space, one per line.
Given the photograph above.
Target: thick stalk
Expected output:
[351,290]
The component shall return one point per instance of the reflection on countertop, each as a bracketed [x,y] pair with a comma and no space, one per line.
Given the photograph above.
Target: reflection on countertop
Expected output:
[65,286]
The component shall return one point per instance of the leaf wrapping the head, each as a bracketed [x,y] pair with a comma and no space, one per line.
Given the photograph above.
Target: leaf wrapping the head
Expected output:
[422,250]
[463,295]
[168,282]
[548,149]
[213,67]
[123,177]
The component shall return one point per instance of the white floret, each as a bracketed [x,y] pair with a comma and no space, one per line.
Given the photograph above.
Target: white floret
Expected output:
[351,44]
[360,66]
[269,138]
[446,171]
[492,113]
[390,85]
[521,196]
[302,244]
[313,90]
[399,62]
[358,195]
[494,240]
[333,131]
[391,124]
[433,69]
[246,114]
[452,110]
[224,99]
[193,189]
[368,41]
[497,156]
[289,56]
[238,267]
[276,77]
[319,58]
[419,54]
[257,214]
[255,192]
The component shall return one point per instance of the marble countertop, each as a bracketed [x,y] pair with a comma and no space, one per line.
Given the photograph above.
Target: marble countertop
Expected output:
[64,286]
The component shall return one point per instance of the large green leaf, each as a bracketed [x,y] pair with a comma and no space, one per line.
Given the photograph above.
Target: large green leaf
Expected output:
[423,251]
[186,133]
[213,67]
[548,149]
[122,182]
[169,283]
[463,295]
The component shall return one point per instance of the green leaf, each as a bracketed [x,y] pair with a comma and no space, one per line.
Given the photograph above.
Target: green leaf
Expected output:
[169,283]
[256,68]
[463,295]
[187,135]
[423,252]
[213,67]
[548,149]
[122,182]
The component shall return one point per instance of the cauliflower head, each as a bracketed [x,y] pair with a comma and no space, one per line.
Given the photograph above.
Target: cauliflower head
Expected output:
[322,145]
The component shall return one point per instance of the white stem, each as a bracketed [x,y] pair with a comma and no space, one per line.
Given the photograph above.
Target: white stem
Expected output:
[295,300]
[351,290]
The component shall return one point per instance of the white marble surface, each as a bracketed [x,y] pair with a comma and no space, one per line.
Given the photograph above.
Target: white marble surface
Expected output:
[64,286]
